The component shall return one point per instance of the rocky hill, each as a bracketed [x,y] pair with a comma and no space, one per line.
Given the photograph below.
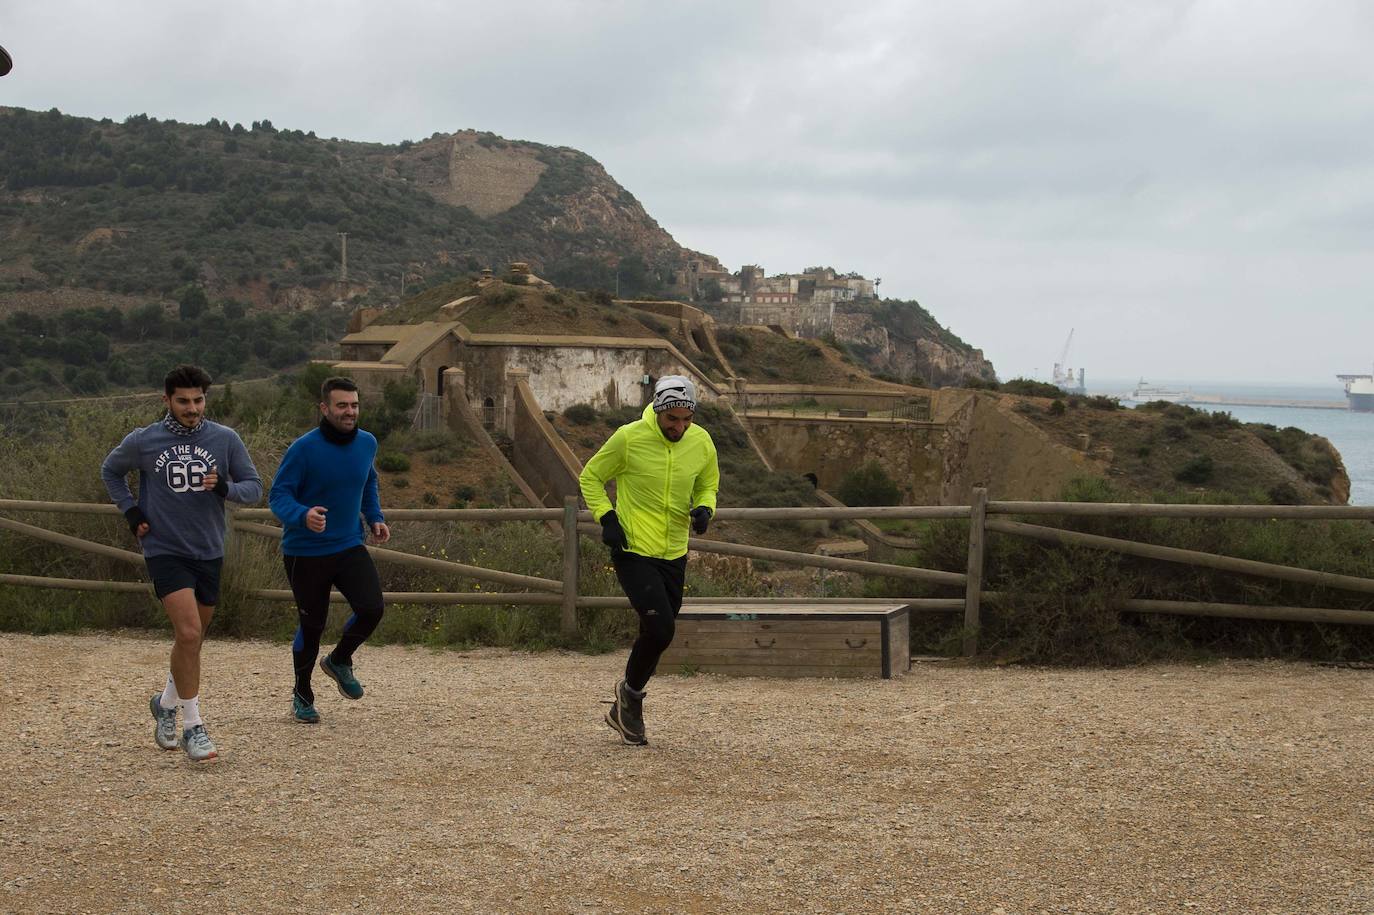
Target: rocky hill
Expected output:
[189,222]
[901,341]
[145,207]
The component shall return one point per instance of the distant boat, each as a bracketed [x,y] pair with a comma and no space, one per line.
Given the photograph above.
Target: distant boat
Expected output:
[1359,392]
[1145,393]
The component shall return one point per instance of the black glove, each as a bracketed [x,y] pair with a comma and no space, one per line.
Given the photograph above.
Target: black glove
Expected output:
[612,534]
[701,517]
[135,517]
[221,488]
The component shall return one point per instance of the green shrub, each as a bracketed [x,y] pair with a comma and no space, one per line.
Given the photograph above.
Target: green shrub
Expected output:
[1285,494]
[1196,470]
[869,485]
[580,414]
[391,462]
[1029,388]
[1056,408]
[312,377]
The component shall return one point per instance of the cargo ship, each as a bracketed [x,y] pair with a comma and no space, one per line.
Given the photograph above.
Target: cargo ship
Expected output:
[1359,392]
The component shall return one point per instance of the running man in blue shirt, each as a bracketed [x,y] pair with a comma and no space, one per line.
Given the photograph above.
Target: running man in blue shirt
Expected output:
[325,494]
[187,467]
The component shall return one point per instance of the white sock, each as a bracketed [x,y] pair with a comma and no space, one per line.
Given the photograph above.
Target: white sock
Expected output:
[169,699]
[190,712]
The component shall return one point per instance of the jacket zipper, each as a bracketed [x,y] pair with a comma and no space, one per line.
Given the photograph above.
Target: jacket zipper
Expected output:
[667,499]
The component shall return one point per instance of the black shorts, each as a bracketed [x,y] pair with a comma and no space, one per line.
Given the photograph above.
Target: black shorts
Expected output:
[172,573]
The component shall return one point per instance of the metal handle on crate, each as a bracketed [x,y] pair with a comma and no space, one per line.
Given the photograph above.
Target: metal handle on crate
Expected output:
[761,645]
[850,643]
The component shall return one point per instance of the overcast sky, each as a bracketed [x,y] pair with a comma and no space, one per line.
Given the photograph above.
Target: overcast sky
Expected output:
[1189,186]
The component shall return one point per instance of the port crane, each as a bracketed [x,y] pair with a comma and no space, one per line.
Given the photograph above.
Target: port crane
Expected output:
[1063,375]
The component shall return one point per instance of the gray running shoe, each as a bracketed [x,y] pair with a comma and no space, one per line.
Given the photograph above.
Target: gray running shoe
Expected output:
[342,674]
[626,715]
[165,731]
[197,744]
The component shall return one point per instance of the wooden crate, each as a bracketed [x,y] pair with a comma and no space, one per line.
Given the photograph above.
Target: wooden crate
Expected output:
[791,640]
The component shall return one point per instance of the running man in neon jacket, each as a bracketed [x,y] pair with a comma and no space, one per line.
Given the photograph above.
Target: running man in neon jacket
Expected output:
[666,477]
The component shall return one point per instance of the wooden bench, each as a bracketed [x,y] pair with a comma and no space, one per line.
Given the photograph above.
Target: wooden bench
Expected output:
[791,640]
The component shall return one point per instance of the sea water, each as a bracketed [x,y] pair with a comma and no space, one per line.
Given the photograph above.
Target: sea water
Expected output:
[1351,433]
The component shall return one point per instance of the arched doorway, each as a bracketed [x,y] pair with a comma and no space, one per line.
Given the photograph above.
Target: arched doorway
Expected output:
[439,384]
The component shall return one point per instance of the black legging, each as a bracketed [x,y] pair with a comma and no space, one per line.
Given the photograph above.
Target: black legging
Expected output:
[654,587]
[311,577]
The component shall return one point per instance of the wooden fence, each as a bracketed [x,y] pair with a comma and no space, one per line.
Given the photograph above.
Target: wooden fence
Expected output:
[982,516]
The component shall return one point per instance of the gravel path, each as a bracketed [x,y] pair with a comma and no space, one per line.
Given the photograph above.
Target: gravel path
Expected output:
[487,782]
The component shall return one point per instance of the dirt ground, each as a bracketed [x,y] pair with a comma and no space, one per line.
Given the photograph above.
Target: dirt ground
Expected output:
[487,782]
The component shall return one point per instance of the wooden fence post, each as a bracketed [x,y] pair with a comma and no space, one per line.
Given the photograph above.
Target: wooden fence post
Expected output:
[977,535]
[570,564]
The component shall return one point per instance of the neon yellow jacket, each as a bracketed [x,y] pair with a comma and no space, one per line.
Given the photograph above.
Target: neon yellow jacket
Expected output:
[657,483]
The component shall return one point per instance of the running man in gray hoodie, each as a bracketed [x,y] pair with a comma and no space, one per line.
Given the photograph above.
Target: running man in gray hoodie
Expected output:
[187,467]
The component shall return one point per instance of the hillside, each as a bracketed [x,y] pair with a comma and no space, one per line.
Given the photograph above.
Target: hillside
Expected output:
[103,223]
[1164,449]
[766,357]
[144,207]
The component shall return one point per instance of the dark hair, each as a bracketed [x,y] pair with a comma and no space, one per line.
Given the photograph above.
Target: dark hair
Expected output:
[186,376]
[337,383]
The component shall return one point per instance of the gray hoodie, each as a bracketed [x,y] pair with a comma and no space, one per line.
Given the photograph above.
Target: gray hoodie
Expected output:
[183,519]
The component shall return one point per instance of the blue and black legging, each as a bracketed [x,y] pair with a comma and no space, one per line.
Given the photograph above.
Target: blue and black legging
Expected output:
[311,577]
[654,587]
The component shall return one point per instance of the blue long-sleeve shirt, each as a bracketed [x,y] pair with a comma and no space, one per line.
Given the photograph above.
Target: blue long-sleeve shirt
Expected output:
[183,518]
[340,477]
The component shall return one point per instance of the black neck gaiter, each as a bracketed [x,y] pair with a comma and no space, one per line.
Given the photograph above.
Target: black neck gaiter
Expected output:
[334,436]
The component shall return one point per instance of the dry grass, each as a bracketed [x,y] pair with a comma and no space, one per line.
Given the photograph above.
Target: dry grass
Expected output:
[486,782]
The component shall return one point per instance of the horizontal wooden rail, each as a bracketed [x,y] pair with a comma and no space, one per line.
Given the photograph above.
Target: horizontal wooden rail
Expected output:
[425,562]
[1140,510]
[522,599]
[834,563]
[430,597]
[75,584]
[1252,612]
[807,513]
[71,508]
[75,543]
[827,513]
[433,514]
[1188,557]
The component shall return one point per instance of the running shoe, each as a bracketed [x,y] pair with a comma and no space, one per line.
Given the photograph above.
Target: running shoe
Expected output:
[342,674]
[626,715]
[197,744]
[165,731]
[303,711]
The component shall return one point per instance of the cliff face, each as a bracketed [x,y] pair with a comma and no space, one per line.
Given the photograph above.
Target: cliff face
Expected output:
[908,351]
[563,198]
